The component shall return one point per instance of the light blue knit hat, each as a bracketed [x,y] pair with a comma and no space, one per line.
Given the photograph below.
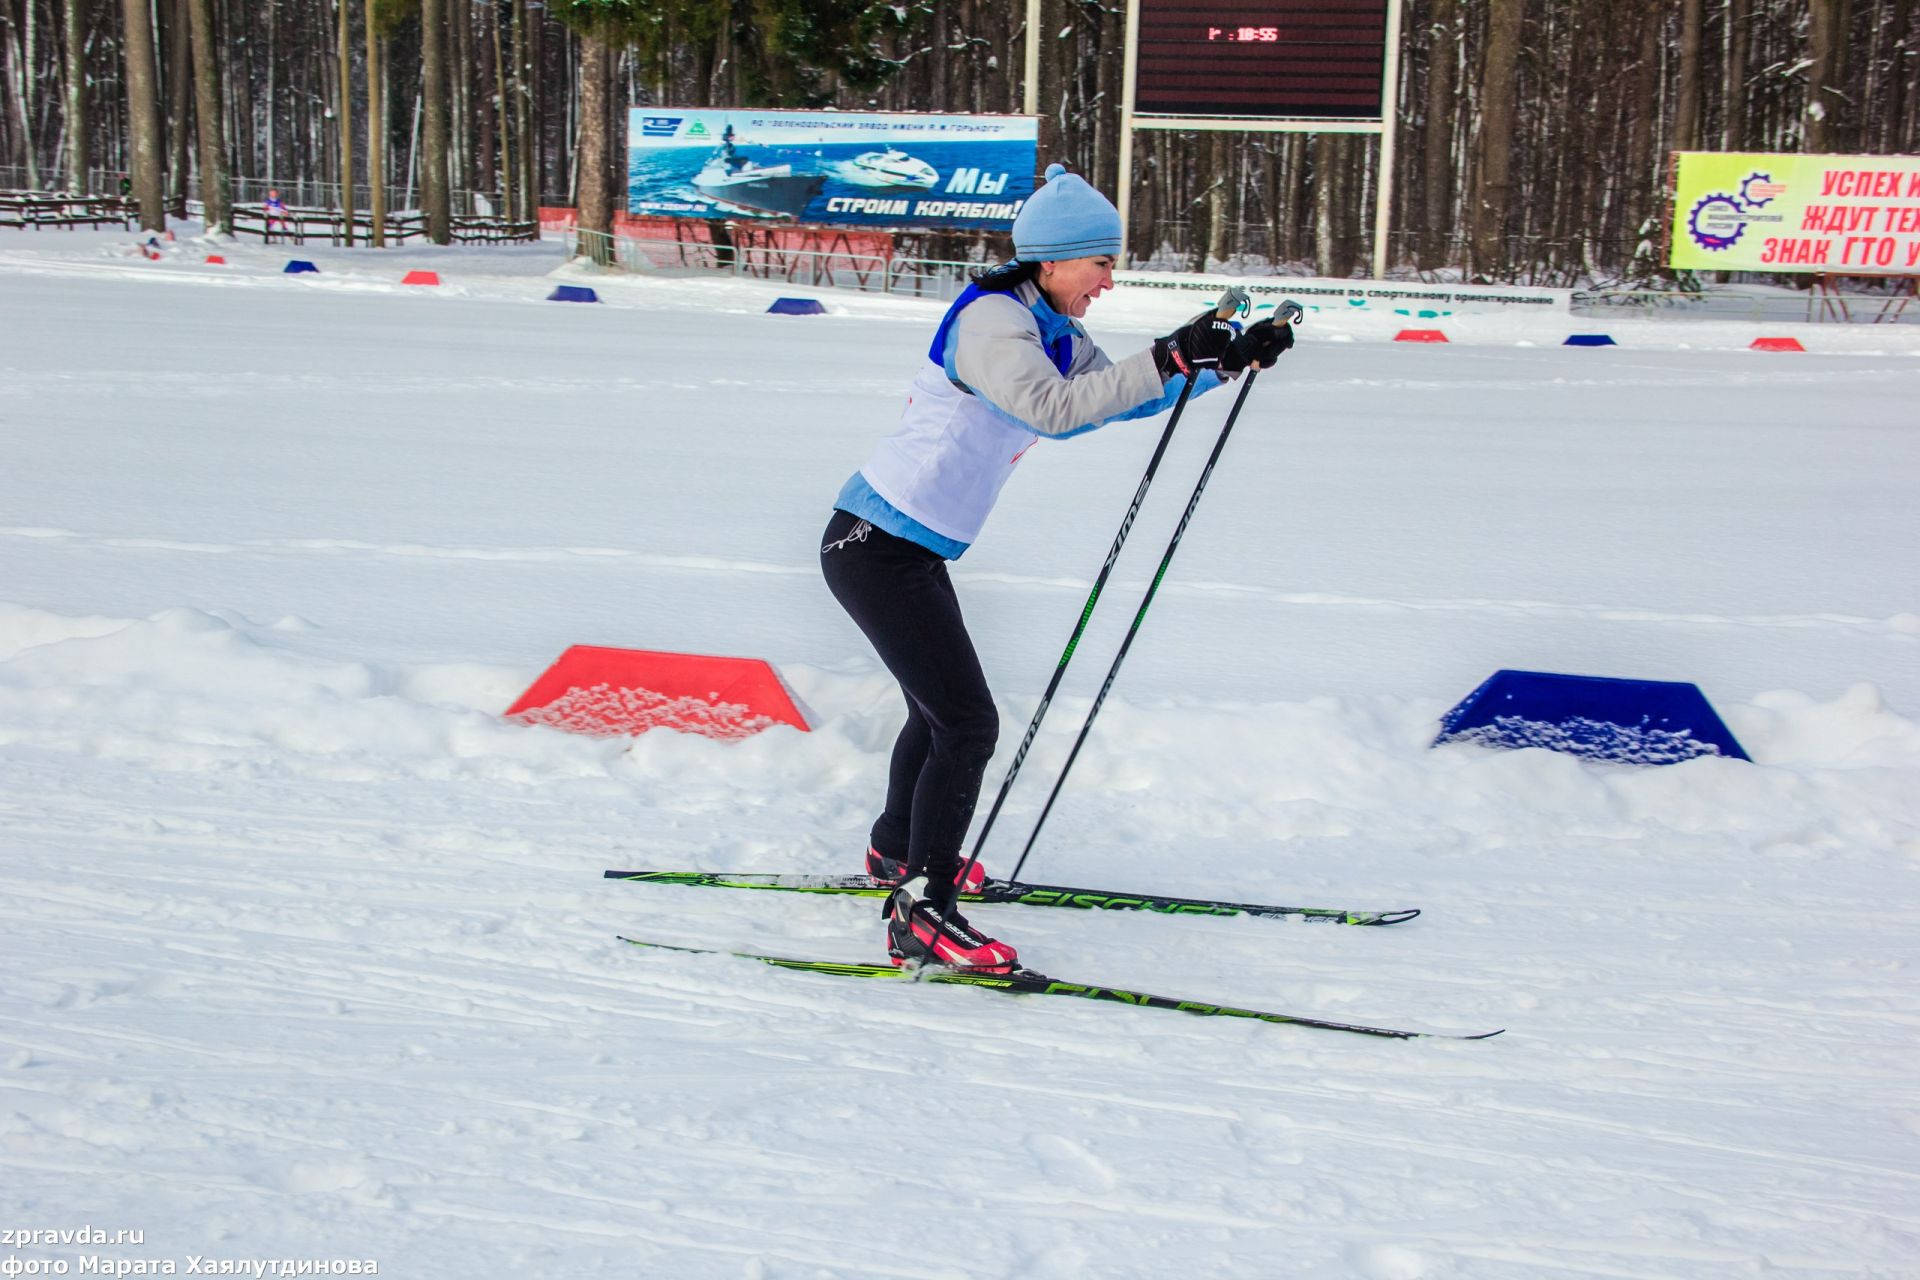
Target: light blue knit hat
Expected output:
[1066,218]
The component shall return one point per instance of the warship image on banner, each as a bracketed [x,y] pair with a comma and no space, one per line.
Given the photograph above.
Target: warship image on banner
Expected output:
[730,178]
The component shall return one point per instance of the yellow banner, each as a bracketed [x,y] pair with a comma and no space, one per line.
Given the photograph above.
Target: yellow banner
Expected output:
[1847,215]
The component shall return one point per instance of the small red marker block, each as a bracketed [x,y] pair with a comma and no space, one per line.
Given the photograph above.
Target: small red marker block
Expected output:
[1777,344]
[1420,335]
[422,277]
[605,692]
[216,260]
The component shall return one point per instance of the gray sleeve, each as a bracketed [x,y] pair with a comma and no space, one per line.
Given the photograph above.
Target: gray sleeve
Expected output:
[998,356]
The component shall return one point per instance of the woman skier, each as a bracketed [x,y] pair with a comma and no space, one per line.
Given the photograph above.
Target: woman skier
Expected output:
[1009,364]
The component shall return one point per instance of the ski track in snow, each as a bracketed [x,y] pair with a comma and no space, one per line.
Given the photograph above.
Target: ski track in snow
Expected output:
[308,954]
[1902,624]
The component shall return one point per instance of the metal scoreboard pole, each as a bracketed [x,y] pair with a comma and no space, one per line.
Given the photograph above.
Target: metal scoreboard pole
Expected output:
[1382,123]
[1127,75]
[1389,112]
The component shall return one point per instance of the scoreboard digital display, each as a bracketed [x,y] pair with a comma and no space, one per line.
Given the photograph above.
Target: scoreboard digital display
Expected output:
[1272,59]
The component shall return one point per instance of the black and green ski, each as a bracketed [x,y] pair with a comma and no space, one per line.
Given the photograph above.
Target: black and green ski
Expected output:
[1020,893]
[1029,982]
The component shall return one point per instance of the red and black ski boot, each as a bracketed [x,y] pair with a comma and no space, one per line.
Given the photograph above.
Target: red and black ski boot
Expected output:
[919,932]
[894,870]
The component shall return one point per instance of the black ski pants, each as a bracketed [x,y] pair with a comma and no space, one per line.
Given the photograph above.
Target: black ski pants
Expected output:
[899,595]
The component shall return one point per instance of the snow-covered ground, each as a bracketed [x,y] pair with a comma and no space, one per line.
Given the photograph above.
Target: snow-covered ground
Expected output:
[307,953]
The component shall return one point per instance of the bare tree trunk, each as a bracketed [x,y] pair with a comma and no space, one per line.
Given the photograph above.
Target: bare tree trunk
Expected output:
[1292,198]
[1324,161]
[1826,52]
[79,126]
[433,87]
[376,129]
[1106,154]
[215,188]
[1900,87]
[242,137]
[1734,126]
[462,90]
[596,165]
[523,121]
[1275,253]
[25,55]
[273,98]
[1441,56]
[1686,107]
[143,107]
[180,93]
[1494,189]
[345,38]
[502,111]
[407,198]
[1219,195]
[246,135]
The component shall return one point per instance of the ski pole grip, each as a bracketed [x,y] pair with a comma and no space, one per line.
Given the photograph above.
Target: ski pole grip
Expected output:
[1289,312]
[1233,302]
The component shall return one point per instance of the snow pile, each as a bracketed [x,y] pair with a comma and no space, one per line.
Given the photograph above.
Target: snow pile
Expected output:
[190,691]
[604,711]
[1590,739]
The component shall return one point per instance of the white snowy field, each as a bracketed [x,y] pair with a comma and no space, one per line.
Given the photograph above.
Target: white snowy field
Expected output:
[308,957]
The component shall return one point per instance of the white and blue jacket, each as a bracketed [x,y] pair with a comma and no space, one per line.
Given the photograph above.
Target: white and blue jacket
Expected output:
[1004,369]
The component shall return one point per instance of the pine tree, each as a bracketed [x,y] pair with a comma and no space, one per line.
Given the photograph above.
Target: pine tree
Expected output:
[79,143]
[143,109]
[215,187]
[602,25]
[433,90]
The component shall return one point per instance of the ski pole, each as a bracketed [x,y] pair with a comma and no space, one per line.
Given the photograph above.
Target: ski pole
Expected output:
[1134,630]
[1232,301]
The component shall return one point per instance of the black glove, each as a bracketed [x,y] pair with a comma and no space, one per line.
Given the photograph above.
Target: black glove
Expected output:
[1262,344]
[1195,345]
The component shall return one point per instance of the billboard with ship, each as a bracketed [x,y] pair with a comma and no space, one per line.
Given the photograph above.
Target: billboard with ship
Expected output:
[839,168]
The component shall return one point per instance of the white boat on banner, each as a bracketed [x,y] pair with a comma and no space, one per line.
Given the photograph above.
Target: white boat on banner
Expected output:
[889,168]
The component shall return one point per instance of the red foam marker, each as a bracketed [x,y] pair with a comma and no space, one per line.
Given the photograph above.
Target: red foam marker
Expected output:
[606,692]
[422,277]
[1420,335]
[1776,344]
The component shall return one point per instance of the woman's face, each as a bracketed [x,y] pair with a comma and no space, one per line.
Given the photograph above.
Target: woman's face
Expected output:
[1073,283]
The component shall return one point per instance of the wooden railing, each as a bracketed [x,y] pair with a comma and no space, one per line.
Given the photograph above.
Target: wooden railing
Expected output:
[37,209]
[297,226]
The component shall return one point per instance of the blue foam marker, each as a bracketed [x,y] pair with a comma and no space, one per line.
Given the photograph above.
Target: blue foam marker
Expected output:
[1593,717]
[1588,340]
[572,293]
[299,267]
[796,307]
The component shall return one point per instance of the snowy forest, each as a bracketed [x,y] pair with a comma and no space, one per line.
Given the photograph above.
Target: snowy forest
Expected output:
[1532,137]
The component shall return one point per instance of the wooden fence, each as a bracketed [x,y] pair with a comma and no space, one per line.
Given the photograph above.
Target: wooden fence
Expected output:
[299,225]
[37,209]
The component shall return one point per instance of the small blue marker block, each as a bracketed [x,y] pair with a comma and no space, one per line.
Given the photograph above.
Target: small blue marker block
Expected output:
[298,267]
[1589,340]
[1593,717]
[572,293]
[796,307]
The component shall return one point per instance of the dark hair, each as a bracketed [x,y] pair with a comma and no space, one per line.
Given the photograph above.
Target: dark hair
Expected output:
[1006,277]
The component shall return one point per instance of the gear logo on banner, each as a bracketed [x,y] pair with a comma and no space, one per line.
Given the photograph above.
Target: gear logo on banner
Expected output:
[1759,190]
[1715,222]
[1719,220]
